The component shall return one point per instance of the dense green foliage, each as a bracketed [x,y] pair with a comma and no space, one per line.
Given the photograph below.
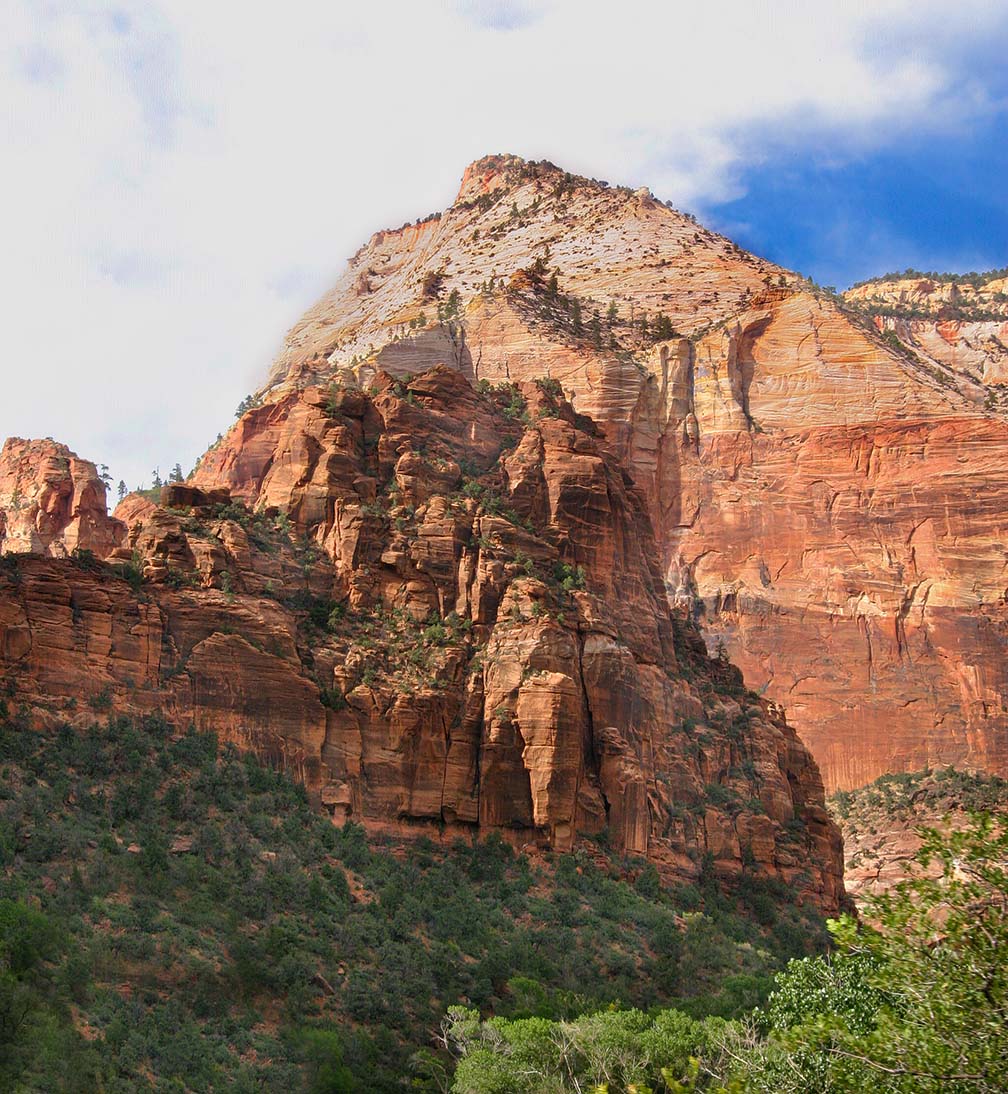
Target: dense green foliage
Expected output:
[608,1050]
[970,311]
[925,792]
[174,916]
[914,1002]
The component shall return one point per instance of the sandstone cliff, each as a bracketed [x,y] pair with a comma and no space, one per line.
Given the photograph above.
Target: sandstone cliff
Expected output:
[445,607]
[52,502]
[956,325]
[827,500]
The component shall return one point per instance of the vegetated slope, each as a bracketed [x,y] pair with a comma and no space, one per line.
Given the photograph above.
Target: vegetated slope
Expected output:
[882,822]
[915,1001]
[176,917]
[958,323]
[445,610]
[826,497]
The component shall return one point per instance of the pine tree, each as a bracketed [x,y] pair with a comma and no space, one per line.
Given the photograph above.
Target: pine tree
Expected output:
[122,489]
[576,317]
[663,328]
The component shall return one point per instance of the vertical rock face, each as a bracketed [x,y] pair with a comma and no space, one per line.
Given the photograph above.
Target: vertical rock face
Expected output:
[446,607]
[52,502]
[826,481]
[840,526]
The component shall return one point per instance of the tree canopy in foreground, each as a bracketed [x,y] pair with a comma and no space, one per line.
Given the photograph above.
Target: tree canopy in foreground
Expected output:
[914,1000]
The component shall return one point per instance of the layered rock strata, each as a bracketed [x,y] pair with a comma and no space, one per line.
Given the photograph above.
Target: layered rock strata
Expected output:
[954,324]
[826,498]
[444,608]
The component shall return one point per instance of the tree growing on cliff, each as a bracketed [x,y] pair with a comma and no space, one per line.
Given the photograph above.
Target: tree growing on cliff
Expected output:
[663,328]
[431,284]
[250,402]
[452,308]
[122,489]
[576,325]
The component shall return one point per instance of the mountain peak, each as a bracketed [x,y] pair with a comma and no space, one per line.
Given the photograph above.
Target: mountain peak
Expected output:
[486,174]
[606,249]
[503,169]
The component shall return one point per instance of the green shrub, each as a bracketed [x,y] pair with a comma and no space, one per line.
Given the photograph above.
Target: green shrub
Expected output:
[570,577]
[101,700]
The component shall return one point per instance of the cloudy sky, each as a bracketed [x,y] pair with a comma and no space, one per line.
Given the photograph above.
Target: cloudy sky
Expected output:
[183,177]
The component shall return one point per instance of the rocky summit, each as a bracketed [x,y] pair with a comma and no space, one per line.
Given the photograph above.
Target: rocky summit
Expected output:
[52,502]
[826,483]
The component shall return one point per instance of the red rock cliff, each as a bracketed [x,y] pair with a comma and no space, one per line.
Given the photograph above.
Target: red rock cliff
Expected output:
[826,499]
[446,608]
[52,502]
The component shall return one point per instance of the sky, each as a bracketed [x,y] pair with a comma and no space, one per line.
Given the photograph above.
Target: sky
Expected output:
[182,179]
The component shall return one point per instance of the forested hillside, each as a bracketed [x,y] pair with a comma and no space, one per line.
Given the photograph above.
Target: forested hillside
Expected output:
[174,916]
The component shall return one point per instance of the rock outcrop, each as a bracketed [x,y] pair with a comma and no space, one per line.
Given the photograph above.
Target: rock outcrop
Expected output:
[52,502]
[918,295]
[882,822]
[955,325]
[826,497]
[439,607]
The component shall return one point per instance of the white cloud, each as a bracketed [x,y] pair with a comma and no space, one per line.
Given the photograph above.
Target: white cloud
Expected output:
[184,178]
